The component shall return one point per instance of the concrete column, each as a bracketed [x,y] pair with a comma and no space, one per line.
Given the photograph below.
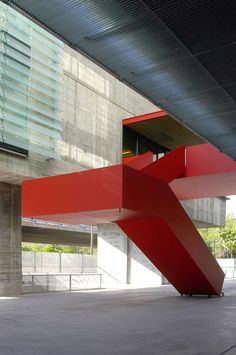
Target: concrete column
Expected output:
[121,262]
[142,272]
[112,255]
[10,240]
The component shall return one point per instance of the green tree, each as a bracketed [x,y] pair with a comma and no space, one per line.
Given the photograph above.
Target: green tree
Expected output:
[86,250]
[50,248]
[228,235]
[54,248]
[26,247]
[222,240]
[213,241]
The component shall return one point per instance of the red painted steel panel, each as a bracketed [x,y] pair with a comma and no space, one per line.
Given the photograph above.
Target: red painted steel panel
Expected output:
[209,173]
[145,117]
[122,193]
[155,198]
[204,159]
[91,190]
[169,167]
[88,217]
[160,245]
[138,162]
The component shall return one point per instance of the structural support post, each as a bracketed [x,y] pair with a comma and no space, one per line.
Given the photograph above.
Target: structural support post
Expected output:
[91,241]
[112,255]
[10,240]
[121,262]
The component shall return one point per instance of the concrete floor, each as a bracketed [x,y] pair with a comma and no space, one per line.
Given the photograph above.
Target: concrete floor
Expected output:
[141,321]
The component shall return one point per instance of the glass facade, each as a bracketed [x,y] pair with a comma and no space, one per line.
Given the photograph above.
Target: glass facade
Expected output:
[135,143]
[31,85]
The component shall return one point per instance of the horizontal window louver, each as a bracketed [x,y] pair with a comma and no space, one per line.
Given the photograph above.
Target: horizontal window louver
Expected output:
[31,85]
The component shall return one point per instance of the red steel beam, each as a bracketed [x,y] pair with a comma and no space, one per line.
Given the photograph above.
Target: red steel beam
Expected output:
[146,117]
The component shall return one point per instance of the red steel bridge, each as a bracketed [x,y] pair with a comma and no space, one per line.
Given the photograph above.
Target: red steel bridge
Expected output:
[142,197]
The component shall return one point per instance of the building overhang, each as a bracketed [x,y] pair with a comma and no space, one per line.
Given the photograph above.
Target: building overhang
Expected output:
[179,56]
[163,129]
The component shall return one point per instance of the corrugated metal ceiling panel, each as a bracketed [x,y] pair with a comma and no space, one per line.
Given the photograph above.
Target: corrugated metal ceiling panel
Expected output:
[180,54]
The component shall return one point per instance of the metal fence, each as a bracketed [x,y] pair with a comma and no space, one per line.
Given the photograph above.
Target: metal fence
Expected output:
[60,282]
[230,274]
[228,266]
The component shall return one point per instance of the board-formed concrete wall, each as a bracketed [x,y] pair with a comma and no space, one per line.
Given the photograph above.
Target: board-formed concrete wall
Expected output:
[121,262]
[112,255]
[94,104]
[10,240]
[206,212]
[140,270]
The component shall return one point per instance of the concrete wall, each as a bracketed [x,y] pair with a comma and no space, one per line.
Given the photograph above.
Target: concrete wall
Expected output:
[120,261]
[10,240]
[206,212]
[112,255]
[141,272]
[94,104]
[39,262]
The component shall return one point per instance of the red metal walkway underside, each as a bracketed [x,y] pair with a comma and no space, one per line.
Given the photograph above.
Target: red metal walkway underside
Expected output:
[137,197]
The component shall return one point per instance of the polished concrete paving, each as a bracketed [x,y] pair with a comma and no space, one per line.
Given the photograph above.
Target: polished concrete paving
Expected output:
[134,321]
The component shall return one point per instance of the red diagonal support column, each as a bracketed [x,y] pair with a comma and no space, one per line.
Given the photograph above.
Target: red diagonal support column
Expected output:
[165,233]
[169,167]
[160,244]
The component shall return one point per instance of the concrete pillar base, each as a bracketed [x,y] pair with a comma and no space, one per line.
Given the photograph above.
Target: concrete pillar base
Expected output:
[112,255]
[121,262]
[10,240]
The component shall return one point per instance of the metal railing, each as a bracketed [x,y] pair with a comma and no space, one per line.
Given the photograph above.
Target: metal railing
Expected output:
[60,282]
[230,273]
